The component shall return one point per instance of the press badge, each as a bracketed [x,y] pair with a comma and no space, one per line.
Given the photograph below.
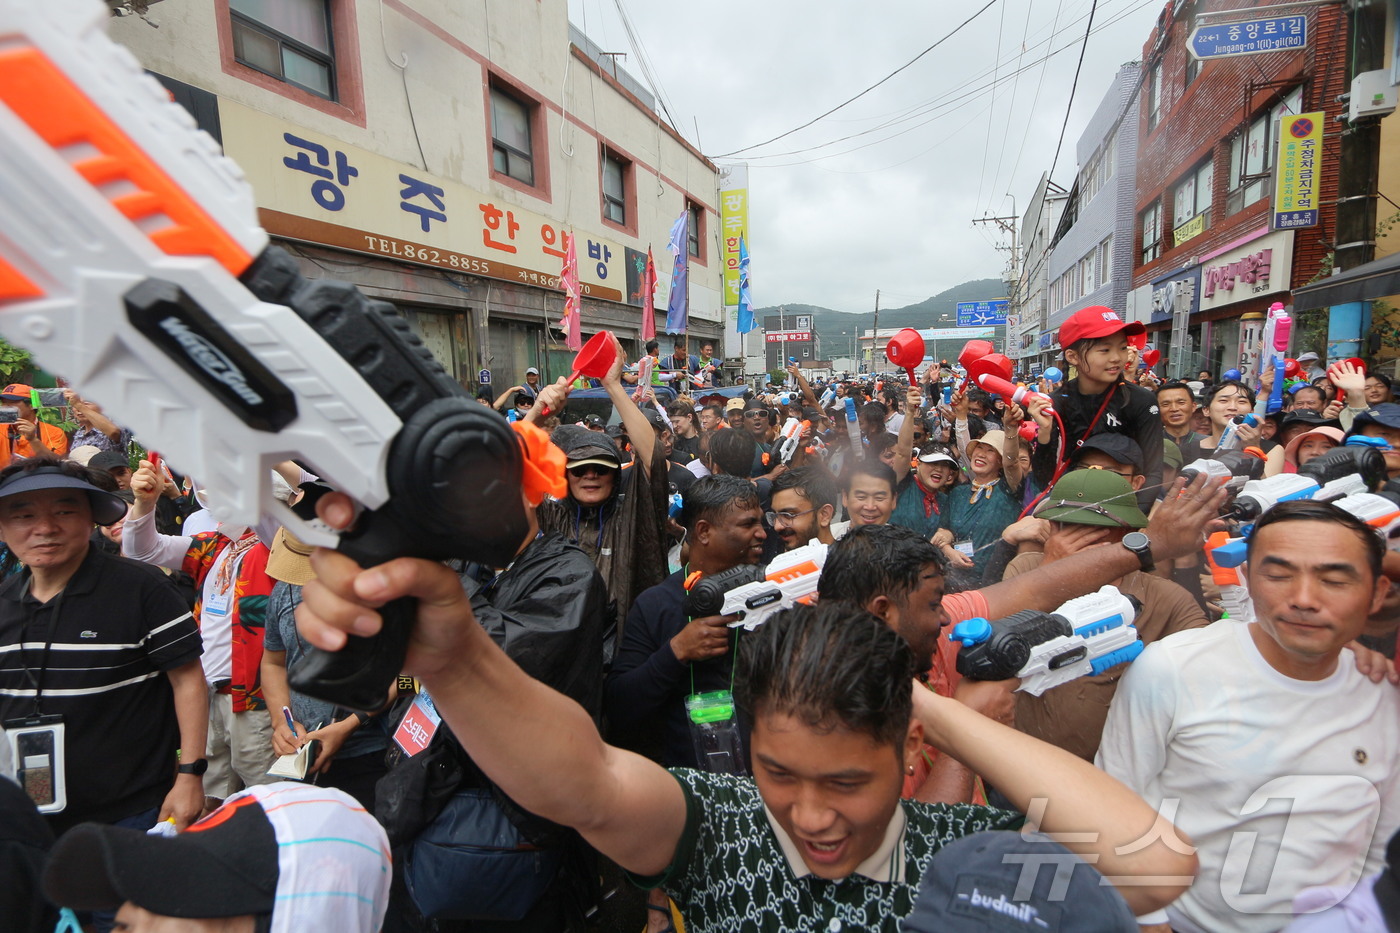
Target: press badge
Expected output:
[219,601]
[36,745]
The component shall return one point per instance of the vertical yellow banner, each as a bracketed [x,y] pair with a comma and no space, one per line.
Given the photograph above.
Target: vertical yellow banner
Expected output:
[1298,171]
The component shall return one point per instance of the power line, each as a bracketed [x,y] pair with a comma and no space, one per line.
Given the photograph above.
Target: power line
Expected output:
[992,110]
[1072,88]
[947,102]
[858,96]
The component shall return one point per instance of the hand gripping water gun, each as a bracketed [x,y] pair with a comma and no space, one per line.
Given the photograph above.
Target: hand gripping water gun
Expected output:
[1230,439]
[1087,635]
[1224,570]
[1277,329]
[131,260]
[786,444]
[752,593]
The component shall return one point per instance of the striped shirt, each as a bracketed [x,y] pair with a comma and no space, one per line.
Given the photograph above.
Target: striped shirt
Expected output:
[110,635]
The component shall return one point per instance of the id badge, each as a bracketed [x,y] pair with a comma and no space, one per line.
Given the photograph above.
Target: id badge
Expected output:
[36,745]
[965,548]
[714,732]
[218,602]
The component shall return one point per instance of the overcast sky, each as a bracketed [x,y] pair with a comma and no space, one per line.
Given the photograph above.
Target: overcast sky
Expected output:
[889,209]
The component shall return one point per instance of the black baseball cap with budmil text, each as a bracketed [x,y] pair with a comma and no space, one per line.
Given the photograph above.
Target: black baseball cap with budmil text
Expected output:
[1011,882]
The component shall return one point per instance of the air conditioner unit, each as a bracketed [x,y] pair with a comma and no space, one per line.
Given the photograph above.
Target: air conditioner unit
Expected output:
[1372,95]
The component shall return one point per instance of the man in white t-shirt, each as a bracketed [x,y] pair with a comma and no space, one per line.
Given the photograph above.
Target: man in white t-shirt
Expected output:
[1261,741]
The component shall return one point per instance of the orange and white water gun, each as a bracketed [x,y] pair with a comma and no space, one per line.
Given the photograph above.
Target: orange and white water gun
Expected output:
[131,260]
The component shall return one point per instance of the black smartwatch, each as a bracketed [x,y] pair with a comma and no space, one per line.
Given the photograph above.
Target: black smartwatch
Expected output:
[1138,543]
[196,767]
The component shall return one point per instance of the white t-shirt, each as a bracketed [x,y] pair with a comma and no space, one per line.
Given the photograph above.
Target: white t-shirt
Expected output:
[1281,784]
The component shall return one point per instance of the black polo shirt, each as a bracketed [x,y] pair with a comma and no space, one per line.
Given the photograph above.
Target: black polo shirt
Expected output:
[114,630]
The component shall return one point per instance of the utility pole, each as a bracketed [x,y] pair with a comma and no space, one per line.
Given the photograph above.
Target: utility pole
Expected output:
[1008,225]
[782,327]
[1349,325]
[875,336]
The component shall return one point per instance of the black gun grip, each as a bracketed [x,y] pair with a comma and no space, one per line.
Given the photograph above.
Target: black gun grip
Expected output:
[453,470]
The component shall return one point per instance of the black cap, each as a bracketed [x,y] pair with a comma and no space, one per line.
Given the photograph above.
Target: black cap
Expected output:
[1118,446]
[108,460]
[231,862]
[1010,881]
[1306,416]
[593,421]
[1386,413]
[107,508]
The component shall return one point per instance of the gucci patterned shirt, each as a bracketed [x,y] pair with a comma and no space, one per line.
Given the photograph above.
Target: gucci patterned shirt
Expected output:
[730,873]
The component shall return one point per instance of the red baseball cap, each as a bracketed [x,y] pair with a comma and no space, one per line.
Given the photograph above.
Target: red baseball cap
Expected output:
[1094,322]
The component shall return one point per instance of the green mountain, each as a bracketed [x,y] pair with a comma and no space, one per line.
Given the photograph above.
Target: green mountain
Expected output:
[926,313]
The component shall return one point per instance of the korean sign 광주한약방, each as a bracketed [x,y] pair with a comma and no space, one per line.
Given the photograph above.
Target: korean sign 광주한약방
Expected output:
[311,187]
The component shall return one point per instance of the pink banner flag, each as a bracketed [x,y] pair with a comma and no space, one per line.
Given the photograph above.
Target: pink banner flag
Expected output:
[568,280]
[649,299]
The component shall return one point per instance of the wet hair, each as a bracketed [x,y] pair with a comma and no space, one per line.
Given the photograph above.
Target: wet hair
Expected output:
[876,560]
[813,483]
[829,666]
[679,409]
[652,345]
[732,452]
[715,409]
[872,410]
[1219,387]
[1307,510]
[869,467]
[709,497]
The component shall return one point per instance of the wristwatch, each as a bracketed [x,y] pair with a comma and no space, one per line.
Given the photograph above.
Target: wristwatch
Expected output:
[1138,543]
[196,767]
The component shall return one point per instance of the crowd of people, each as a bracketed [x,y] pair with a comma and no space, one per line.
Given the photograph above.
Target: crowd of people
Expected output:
[574,745]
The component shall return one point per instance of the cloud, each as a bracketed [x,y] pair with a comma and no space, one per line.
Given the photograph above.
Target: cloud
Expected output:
[891,209]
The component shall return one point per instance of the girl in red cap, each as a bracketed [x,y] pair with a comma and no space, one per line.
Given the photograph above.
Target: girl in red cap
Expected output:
[1098,400]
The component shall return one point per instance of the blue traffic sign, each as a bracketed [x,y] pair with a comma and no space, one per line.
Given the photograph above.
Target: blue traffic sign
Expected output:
[1224,40]
[982,313]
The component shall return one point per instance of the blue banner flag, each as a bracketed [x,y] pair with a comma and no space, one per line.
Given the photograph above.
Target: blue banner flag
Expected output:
[746,321]
[678,305]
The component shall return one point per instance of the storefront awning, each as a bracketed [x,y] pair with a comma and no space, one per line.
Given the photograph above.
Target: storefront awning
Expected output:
[1370,280]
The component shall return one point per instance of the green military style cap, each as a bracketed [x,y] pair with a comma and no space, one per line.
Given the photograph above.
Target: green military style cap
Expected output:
[1093,497]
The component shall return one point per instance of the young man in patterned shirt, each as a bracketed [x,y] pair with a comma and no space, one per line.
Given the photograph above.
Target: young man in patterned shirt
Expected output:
[818,839]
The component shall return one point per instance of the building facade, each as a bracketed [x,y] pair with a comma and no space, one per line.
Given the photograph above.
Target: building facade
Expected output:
[435,155]
[1090,258]
[1028,340]
[1208,257]
[789,335]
